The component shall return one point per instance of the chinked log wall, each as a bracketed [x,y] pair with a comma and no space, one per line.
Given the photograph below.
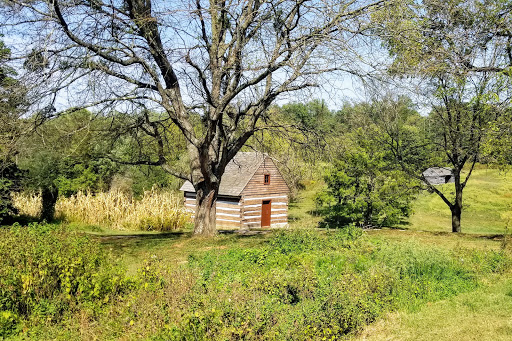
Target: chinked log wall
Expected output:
[252,210]
[245,211]
[228,210]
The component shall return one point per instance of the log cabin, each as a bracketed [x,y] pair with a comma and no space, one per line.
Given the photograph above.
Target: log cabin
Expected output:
[252,194]
[439,175]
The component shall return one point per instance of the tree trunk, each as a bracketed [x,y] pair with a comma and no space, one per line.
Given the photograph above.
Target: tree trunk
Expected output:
[368,214]
[49,197]
[204,222]
[456,208]
[456,213]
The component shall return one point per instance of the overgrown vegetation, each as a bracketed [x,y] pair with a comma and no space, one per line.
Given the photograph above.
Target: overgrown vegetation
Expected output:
[298,285]
[12,102]
[47,272]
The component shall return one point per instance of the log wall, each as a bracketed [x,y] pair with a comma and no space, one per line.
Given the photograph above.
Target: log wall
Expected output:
[256,186]
[256,191]
[251,210]
[228,210]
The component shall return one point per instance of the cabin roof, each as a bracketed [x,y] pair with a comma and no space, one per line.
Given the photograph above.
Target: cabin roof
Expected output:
[438,171]
[238,173]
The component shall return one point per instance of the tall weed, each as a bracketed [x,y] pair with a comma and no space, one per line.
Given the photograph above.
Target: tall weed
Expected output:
[154,211]
[27,203]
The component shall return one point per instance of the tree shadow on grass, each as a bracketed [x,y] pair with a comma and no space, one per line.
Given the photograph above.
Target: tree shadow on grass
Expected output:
[21,219]
[402,225]
[133,243]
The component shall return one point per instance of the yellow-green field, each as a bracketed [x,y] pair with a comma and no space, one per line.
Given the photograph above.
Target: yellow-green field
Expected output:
[481,315]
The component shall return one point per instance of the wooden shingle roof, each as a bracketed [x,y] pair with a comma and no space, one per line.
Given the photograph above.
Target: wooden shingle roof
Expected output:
[238,173]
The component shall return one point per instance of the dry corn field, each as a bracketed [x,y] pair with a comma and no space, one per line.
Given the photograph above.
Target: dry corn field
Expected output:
[156,210]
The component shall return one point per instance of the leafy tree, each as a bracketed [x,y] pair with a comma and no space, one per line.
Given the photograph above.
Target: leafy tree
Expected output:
[313,116]
[211,69]
[300,141]
[12,101]
[497,143]
[364,185]
[458,52]
[65,156]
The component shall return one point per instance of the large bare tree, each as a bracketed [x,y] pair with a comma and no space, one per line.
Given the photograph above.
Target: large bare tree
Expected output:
[209,68]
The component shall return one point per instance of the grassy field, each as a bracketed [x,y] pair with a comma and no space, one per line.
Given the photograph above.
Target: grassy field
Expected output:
[487,206]
[300,284]
[483,314]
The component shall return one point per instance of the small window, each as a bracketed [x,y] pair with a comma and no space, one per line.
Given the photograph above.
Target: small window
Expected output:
[266,179]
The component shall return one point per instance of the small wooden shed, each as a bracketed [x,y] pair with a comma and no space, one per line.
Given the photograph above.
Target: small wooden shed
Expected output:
[439,175]
[252,193]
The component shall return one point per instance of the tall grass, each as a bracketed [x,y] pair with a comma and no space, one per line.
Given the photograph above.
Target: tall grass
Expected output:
[27,203]
[156,210]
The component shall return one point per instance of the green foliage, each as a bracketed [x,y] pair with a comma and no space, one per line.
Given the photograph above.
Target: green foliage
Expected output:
[72,153]
[67,154]
[440,37]
[313,115]
[47,271]
[12,98]
[143,178]
[10,178]
[303,285]
[299,141]
[497,144]
[9,324]
[296,285]
[364,186]
[446,47]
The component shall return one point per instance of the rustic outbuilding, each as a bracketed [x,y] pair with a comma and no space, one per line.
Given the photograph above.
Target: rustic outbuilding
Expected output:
[252,194]
[439,175]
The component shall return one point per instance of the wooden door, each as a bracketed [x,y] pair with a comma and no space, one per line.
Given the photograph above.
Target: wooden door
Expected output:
[265,213]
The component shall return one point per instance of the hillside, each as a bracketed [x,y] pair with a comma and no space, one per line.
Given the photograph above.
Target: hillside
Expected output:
[487,205]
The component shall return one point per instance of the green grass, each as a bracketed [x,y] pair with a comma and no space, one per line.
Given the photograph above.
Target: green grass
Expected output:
[480,315]
[301,211]
[487,203]
[299,284]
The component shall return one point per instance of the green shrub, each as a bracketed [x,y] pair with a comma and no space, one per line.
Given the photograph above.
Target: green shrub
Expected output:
[10,178]
[47,271]
[9,323]
[306,285]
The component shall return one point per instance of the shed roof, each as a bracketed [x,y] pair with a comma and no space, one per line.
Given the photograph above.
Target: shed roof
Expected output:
[438,171]
[237,174]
